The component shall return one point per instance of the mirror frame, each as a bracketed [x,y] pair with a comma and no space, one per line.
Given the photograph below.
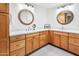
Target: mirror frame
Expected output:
[63,12]
[21,19]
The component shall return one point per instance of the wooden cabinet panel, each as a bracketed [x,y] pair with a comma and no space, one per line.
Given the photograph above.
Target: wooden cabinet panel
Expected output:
[19,52]
[61,39]
[56,40]
[3,25]
[74,35]
[43,40]
[74,43]
[4,30]
[74,48]
[32,42]
[17,38]
[4,48]
[73,40]
[36,42]
[64,42]
[4,7]
[51,37]
[17,45]
[29,44]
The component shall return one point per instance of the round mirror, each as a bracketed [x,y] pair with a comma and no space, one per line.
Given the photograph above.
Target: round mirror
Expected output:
[26,17]
[65,17]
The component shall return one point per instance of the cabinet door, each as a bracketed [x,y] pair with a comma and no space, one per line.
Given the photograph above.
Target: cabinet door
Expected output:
[64,42]
[36,42]
[43,40]
[19,52]
[4,41]
[29,45]
[4,7]
[4,48]
[17,45]
[74,45]
[74,48]
[56,40]
[51,37]
[4,23]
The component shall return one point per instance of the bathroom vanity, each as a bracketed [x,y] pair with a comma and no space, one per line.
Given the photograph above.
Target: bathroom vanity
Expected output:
[25,43]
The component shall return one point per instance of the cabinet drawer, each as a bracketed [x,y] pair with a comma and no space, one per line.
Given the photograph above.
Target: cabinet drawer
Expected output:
[32,35]
[74,35]
[73,48]
[61,33]
[17,45]
[16,38]
[20,52]
[56,32]
[74,41]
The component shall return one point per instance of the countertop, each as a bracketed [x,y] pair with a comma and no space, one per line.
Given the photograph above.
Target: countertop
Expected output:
[13,33]
[27,32]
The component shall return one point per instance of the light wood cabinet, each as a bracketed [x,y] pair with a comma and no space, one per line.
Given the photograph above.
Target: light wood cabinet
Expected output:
[64,42]
[19,52]
[4,25]
[4,30]
[4,47]
[29,44]
[36,42]
[4,7]
[32,42]
[43,38]
[61,39]
[17,44]
[56,40]
[74,43]
[51,37]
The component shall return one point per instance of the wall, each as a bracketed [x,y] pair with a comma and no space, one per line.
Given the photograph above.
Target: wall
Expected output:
[52,14]
[42,16]
[39,18]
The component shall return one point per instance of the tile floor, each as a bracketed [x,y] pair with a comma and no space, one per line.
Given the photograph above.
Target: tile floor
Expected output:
[50,51]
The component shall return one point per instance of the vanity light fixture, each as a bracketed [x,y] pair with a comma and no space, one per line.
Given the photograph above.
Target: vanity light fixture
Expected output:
[64,5]
[28,4]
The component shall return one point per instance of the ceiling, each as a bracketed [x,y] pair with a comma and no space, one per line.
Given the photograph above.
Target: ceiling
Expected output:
[48,5]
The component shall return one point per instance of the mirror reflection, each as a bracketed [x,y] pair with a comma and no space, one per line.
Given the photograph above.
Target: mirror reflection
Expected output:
[65,17]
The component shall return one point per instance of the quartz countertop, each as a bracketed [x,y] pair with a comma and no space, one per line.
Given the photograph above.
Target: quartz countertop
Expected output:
[66,30]
[13,33]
